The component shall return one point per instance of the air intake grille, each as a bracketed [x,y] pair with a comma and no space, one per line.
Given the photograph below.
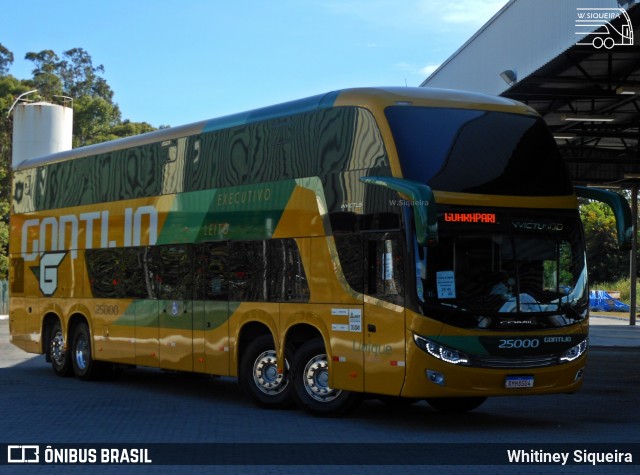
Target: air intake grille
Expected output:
[514,363]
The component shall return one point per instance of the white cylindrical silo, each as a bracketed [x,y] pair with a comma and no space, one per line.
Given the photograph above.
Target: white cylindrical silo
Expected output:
[40,129]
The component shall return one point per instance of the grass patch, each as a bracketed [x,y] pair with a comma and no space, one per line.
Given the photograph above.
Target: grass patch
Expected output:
[622,285]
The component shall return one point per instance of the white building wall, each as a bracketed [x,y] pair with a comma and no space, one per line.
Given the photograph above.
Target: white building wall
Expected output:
[523,36]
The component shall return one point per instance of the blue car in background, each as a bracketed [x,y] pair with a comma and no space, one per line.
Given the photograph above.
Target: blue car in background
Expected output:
[601,301]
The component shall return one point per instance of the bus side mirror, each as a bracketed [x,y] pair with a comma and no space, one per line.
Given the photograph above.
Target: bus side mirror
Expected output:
[422,201]
[620,208]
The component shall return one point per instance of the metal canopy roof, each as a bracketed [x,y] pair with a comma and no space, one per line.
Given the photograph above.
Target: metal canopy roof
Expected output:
[584,82]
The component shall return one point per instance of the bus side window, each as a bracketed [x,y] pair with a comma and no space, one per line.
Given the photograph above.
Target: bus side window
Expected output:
[247,271]
[133,282]
[289,281]
[102,271]
[210,263]
[349,247]
[173,272]
[17,276]
[384,267]
[118,273]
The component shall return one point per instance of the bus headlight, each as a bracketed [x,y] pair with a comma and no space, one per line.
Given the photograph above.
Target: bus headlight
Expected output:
[574,353]
[441,352]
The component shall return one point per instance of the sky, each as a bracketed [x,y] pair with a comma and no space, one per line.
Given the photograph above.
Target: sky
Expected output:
[178,62]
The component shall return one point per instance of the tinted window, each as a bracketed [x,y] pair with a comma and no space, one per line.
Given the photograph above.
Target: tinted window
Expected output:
[210,269]
[289,279]
[248,271]
[478,151]
[384,268]
[17,276]
[349,247]
[119,273]
[174,272]
[255,271]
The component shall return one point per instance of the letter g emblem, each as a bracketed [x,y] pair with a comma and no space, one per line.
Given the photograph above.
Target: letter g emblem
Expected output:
[49,263]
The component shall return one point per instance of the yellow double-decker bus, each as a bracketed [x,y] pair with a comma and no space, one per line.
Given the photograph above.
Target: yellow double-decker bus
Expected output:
[399,242]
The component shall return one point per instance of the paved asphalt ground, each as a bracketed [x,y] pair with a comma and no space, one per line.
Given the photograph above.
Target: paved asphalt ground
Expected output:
[155,407]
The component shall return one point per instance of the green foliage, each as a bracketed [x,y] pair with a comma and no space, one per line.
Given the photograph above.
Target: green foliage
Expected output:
[96,117]
[6,60]
[605,261]
[622,285]
[10,88]
[45,75]
[93,120]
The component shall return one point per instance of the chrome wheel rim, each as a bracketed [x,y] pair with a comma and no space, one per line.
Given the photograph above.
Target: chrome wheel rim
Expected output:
[316,380]
[57,348]
[266,375]
[82,353]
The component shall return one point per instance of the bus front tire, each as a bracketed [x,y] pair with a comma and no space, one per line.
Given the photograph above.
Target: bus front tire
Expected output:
[455,405]
[261,379]
[310,378]
[59,356]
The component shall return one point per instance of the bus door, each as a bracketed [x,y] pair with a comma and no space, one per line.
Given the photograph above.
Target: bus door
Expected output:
[174,281]
[626,35]
[211,309]
[384,316]
[146,340]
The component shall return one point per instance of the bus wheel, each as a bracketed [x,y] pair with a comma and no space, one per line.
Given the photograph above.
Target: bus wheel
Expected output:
[260,377]
[83,365]
[310,377]
[60,360]
[455,405]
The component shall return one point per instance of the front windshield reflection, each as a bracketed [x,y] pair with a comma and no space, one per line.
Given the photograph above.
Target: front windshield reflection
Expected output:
[503,274]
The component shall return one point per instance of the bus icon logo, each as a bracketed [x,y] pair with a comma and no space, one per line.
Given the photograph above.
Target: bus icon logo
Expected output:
[595,25]
[23,454]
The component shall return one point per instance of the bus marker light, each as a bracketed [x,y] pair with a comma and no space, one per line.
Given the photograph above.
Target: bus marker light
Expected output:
[574,353]
[436,377]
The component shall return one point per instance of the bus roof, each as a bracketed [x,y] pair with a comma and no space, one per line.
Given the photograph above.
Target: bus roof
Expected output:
[370,98]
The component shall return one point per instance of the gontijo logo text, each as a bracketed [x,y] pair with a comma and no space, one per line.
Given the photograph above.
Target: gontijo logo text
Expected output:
[51,233]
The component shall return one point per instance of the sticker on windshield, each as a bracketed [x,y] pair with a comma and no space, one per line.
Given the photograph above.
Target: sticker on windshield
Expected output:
[446,284]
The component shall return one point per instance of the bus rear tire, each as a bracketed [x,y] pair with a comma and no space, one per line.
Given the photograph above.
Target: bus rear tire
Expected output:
[84,367]
[261,379]
[455,405]
[60,358]
[310,378]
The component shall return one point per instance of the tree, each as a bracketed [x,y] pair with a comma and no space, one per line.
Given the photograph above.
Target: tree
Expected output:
[46,77]
[80,77]
[605,261]
[10,88]
[6,60]
[96,117]
[74,76]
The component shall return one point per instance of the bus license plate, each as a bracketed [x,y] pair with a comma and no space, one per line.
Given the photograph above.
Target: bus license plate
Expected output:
[515,382]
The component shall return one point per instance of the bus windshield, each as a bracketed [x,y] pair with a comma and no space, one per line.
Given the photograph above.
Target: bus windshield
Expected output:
[474,151]
[503,270]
